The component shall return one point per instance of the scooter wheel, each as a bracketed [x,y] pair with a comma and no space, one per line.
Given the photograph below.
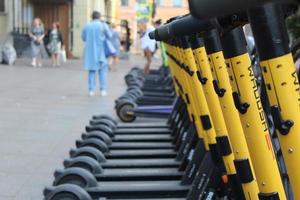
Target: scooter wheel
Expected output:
[135,84]
[132,88]
[102,128]
[97,135]
[66,192]
[137,92]
[84,162]
[123,98]
[91,152]
[76,176]
[92,142]
[133,94]
[105,122]
[125,111]
[103,116]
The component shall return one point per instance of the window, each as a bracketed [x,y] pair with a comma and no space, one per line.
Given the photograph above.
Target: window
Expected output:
[2,5]
[177,3]
[124,2]
[160,2]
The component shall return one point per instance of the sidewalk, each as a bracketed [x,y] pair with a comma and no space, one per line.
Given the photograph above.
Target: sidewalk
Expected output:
[43,111]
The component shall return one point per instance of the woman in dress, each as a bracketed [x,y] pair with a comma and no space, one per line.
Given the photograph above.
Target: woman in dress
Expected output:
[148,45]
[37,35]
[55,43]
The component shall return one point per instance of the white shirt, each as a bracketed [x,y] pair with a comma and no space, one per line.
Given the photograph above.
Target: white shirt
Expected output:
[146,42]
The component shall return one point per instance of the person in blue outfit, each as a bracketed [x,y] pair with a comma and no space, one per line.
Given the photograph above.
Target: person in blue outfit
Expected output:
[94,34]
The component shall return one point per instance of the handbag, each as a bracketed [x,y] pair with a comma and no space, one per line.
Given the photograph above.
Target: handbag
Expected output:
[109,48]
[63,55]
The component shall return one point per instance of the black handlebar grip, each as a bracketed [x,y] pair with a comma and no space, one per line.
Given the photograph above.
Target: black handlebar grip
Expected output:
[164,32]
[152,35]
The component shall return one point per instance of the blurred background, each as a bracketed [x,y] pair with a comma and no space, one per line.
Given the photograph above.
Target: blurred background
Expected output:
[16,18]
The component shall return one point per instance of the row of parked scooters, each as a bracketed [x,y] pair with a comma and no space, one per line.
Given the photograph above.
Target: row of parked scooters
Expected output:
[218,140]
[136,161]
[146,96]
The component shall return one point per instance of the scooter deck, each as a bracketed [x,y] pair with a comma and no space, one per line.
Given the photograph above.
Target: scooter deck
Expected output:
[142,137]
[141,145]
[159,94]
[140,174]
[146,102]
[163,115]
[139,189]
[154,189]
[154,199]
[141,163]
[159,198]
[143,125]
[143,131]
[161,153]
[158,89]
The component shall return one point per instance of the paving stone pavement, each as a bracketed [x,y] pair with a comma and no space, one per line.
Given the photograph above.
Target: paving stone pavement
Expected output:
[42,112]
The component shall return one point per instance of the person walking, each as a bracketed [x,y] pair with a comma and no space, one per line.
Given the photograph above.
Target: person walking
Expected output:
[115,40]
[55,44]
[162,47]
[148,45]
[94,35]
[37,34]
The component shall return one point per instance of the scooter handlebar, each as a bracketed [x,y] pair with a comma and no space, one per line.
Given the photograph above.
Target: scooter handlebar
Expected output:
[180,27]
[206,9]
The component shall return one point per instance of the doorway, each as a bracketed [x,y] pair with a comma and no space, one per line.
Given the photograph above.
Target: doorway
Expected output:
[55,12]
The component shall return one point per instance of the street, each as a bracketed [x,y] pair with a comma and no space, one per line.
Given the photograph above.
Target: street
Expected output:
[43,111]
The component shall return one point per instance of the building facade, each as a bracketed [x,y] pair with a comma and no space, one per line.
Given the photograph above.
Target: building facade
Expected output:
[82,10]
[5,20]
[16,18]
[127,10]
[169,8]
